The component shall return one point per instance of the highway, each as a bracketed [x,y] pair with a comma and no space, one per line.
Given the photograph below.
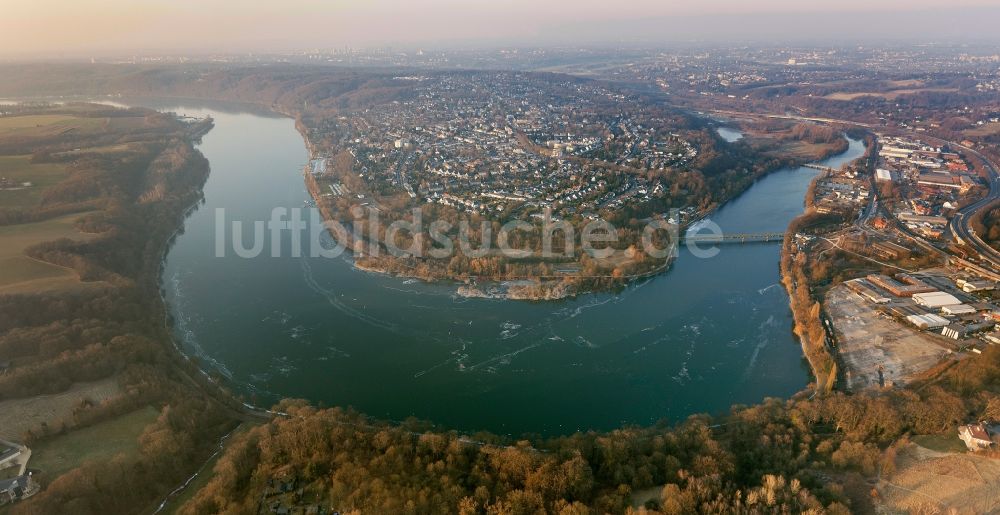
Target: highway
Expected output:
[959,224]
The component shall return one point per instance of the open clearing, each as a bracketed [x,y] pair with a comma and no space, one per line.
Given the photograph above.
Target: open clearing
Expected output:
[803,150]
[928,481]
[19,169]
[102,441]
[986,129]
[940,443]
[887,95]
[43,125]
[21,415]
[107,149]
[867,341]
[19,272]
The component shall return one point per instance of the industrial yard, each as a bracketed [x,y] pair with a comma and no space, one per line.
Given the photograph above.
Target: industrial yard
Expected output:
[876,350]
[890,329]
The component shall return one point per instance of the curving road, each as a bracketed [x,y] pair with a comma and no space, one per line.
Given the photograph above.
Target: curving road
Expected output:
[959,224]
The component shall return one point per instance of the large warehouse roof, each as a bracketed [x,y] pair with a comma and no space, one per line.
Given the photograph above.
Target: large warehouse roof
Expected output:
[935,299]
[926,321]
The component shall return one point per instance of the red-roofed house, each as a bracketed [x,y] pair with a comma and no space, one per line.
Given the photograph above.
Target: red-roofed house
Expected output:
[975,437]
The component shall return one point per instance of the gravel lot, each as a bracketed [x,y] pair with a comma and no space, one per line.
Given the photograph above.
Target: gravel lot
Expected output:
[869,342]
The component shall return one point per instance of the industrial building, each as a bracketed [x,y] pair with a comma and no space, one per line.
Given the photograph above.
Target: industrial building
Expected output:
[883,175]
[935,299]
[974,285]
[958,309]
[863,288]
[928,321]
[912,285]
[889,250]
[954,331]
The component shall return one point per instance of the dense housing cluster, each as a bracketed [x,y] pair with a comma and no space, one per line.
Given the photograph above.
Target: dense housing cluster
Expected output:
[487,142]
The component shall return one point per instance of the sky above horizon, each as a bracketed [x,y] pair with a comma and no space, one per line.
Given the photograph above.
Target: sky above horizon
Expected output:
[77,28]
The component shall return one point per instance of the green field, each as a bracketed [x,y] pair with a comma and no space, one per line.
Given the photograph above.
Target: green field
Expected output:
[940,443]
[19,169]
[103,441]
[18,271]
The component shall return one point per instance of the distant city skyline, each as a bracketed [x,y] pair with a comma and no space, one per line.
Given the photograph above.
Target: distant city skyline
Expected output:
[55,28]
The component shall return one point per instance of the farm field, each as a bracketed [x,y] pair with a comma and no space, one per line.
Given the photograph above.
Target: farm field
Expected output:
[55,456]
[106,149]
[887,95]
[928,481]
[30,413]
[18,271]
[43,125]
[19,170]
[987,129]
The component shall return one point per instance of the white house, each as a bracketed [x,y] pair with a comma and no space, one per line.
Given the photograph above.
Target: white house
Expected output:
[975,437]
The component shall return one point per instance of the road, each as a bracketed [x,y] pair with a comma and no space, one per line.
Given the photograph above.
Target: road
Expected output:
[959,224]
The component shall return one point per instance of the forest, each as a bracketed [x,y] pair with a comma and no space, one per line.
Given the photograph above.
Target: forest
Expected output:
[804,455]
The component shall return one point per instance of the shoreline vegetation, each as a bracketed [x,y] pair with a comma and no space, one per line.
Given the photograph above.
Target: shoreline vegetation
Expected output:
[808,324]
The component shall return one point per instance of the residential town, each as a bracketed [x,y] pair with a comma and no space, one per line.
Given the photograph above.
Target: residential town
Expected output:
[487,143]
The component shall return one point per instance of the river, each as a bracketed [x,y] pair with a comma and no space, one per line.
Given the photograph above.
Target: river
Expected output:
[708,334]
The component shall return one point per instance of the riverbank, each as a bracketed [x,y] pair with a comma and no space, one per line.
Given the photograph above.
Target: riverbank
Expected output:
[806,311]
[807,326]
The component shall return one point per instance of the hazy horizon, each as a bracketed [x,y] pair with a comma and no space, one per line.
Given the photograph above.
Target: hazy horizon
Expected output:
[50,29]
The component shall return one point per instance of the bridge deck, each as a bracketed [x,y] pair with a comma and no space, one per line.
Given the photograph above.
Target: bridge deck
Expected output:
[759,237]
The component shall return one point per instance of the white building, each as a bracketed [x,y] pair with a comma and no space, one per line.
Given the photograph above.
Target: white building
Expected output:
[975,437]
[9,454]
[958,309]
[935,299]
[929,321]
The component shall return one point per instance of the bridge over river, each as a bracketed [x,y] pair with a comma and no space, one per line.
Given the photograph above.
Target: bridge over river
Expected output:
[718,239]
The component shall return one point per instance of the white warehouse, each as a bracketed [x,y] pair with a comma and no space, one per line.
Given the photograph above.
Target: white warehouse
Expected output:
[935,299]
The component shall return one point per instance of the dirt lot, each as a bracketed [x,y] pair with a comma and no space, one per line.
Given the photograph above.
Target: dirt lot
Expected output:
[928,481]
[867,341]
[21,415]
